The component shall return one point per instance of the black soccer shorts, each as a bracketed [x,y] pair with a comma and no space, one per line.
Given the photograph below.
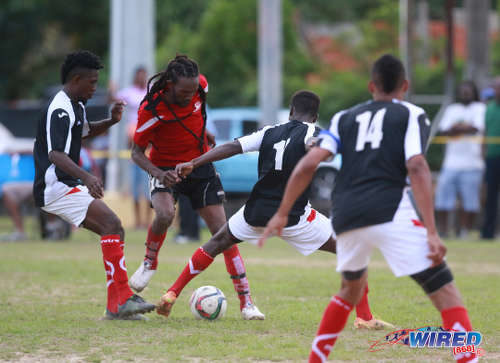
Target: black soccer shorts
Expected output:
[203,188]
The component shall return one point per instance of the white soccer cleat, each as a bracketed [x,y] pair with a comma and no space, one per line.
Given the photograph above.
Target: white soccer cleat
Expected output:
[141,277]
[251,312]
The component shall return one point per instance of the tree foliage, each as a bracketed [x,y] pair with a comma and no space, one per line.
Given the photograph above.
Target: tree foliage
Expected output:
[225,46]
[36,34]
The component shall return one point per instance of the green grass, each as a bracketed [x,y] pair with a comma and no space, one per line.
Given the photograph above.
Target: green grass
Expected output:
[52,294]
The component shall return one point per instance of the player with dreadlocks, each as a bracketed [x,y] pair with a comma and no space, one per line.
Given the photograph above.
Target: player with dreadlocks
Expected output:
[172,119]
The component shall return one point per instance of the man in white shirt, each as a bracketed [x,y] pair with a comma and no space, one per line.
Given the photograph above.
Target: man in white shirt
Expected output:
[462,167]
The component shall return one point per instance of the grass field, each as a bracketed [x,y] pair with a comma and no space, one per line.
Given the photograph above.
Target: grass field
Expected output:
[53,293]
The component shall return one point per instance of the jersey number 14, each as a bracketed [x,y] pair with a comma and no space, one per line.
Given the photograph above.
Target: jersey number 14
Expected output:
[370,132]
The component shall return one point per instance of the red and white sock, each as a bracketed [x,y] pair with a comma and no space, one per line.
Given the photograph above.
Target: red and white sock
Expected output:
[457,319]
[197,263]
[116,271]
[333,322]
[112,303]
[363,308]
[153,245]
[236,269]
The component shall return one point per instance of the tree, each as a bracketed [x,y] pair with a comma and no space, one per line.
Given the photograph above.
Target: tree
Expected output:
[38,33]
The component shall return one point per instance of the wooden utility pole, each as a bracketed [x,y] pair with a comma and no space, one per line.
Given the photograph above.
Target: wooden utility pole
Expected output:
[422,31]
[270,60]
[449,86]
[406,37]
[477,25]
[132,44]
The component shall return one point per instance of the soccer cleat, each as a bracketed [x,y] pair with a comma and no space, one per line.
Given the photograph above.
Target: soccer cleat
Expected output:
[108,315]
[134,305]
[141,277]
[373,324]
[251,312]
[166,302]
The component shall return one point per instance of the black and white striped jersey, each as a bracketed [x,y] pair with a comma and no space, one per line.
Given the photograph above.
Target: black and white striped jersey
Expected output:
[60,127]
[280,149]
[375,139]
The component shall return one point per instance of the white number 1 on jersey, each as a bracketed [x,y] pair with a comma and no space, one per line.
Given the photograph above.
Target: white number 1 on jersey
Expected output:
[370,132]
[280,151]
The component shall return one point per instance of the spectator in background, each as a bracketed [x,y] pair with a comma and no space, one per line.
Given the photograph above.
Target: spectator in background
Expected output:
[492,121]
[14,194]
[189,222]
[462,167]
[133,96]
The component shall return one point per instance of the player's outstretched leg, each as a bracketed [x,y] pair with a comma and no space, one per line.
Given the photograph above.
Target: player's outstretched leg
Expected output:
[197,263]
[215,218]
[336,314]
[163,204]
[122,302]
[438,283]
[236,269]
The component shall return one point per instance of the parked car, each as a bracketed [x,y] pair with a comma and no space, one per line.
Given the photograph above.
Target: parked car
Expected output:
[239,173]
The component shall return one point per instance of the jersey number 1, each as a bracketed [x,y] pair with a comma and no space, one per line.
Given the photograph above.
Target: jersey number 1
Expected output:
[370,131]
[280,151]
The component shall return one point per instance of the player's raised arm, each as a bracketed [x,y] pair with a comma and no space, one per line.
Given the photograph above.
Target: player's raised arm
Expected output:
[98,127]
[221,152]
[299,180]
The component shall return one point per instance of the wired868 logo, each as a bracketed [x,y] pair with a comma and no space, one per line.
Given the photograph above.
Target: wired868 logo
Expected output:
[433,337]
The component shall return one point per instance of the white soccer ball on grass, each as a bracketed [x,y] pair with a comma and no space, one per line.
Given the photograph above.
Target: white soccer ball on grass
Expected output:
[208,302]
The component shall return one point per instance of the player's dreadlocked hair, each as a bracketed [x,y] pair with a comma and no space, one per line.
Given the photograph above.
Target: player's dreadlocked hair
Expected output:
[77,61]
[180,66]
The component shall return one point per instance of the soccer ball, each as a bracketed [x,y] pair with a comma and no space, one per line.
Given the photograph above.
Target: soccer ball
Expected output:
[208,302]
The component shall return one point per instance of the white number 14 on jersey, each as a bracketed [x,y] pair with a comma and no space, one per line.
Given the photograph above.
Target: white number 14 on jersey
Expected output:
[370,132]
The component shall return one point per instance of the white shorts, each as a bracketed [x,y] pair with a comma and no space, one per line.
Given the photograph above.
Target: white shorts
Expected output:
[403,242]
[73,206]
[312,231]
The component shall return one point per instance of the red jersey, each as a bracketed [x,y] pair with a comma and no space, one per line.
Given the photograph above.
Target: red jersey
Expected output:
[171,143]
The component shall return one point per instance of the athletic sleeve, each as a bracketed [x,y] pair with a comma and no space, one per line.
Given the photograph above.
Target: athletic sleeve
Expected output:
[86,124]
[146,123]
[312,131]
[330,139]
[59,131]
[203,83]
[253,141]
[417,134]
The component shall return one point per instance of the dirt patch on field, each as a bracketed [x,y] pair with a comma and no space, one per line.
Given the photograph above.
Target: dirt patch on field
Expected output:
[43,358]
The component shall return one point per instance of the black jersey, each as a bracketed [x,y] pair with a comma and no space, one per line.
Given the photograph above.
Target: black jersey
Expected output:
[60,128]
[280,149]
[375,140]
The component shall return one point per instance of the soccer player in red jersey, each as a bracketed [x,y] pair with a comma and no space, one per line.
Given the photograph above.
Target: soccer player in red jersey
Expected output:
[172,119]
